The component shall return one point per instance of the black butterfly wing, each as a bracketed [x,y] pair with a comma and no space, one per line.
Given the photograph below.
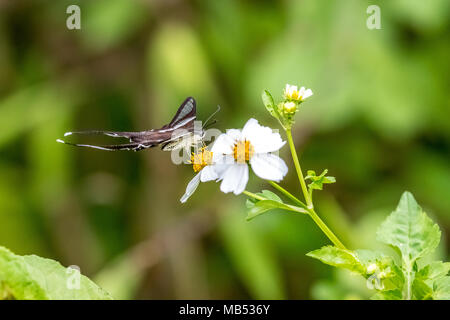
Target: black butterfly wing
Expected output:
[186,114]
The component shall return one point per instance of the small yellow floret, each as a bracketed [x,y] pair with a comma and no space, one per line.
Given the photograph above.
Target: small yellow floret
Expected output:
[290,107]
[243,151]
[201,159]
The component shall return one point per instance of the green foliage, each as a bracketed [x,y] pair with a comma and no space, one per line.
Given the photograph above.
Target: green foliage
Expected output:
[317,182]
[378,120]
[269,103]
[441,289]
[270,201]
[339,258]
[33,277]
[413,235]
[409,230]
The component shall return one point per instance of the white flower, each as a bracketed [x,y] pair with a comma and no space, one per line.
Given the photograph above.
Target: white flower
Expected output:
[253,144]
[293,93]
[203,163]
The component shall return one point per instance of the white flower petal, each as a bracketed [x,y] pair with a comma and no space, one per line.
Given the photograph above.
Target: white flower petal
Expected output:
[290,89]
[308,93]
[234,134]
[269,167]
[220,160]
[208,173]
[220,170]
[250,126]
[191,187]
[235,179]
[223,145]
[262,138]
[301,91]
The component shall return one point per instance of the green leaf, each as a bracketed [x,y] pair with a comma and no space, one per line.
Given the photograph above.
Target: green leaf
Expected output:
[32,277]
[409,230]
[266,194]
[271,201]
[318,181]
[269,103]
[441,289]
[368,256]
[421,290]
[266,205]
[433,271]
[269,195]
[337,257]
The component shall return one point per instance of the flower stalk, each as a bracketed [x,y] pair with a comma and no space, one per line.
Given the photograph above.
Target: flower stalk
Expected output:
[325,229]
[299,170]
[284,111]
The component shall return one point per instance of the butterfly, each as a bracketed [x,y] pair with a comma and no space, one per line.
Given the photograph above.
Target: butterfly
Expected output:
[179,133]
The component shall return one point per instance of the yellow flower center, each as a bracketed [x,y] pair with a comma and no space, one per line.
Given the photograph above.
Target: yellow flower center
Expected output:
[295,95]
[243,151]
[201,159]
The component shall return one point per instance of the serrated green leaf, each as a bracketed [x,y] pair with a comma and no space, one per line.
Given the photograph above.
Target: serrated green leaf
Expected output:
[441,289]
[409,230]
[32,277]
[433,271]
[337,257]
[421,290]
[396,278]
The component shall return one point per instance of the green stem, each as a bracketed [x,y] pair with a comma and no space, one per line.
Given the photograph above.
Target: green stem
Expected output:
[288,194]
[325,229]
[408,282]
[308,196]
[298,169]
[253,195]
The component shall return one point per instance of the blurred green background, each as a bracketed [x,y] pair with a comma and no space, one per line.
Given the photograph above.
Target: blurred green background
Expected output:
[378,120]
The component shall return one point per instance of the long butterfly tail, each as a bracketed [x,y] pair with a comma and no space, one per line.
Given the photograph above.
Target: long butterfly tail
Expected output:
[116,147]
[133,136]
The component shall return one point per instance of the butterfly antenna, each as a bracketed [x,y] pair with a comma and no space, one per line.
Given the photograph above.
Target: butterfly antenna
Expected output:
[212,115]
[210,124]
